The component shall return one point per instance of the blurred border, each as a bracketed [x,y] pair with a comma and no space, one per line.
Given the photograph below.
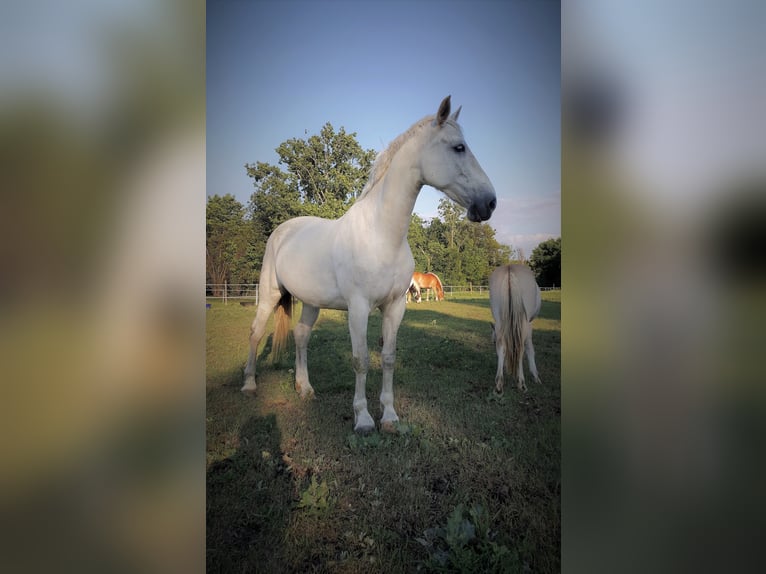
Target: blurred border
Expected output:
[101,318]
[664,217]
[102,255]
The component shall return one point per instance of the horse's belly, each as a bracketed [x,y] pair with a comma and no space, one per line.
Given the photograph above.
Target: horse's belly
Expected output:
[312,284]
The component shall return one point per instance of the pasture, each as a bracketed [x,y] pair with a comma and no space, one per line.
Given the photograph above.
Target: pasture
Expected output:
[470,483]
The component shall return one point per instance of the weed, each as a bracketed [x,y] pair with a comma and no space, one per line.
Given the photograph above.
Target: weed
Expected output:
[315,500]
[466,544]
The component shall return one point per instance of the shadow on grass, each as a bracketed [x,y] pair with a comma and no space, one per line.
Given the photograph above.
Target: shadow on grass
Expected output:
[386,492]
[249,496]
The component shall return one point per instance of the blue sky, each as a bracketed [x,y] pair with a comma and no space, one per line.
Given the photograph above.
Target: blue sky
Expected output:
[277,70]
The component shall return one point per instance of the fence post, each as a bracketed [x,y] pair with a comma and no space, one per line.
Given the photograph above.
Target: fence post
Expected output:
[225,291]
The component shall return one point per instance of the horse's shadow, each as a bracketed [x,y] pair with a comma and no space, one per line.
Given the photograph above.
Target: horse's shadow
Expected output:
[249,495]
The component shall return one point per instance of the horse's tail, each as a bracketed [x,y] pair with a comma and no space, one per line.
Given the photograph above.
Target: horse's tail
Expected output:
[282,316]
[439,288]
[513,317]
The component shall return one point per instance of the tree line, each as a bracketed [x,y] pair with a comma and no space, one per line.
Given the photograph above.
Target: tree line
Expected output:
[323,175]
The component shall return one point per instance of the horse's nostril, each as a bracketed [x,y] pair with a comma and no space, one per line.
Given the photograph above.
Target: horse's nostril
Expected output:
[493,204]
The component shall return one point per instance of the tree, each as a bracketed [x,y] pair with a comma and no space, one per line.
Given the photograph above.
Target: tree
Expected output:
[418,240]
[273,201]
[226,239]
[452,215]
[546,263]
[322,176]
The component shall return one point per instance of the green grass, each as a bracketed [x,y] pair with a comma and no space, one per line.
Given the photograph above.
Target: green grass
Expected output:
[470,483]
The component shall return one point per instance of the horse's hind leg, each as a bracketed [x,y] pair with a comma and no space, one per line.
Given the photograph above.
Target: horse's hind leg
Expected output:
[526,336]
[269,300]
[302,334]
[392,318]
[500,348]
[530,350]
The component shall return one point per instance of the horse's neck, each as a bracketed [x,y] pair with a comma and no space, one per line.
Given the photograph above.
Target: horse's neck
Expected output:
[391,202]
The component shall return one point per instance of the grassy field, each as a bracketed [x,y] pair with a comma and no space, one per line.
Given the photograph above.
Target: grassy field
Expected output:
[471,483]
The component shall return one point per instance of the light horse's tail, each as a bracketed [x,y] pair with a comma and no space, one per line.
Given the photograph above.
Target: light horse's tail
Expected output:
[282,316]
[513,318]
[439,288]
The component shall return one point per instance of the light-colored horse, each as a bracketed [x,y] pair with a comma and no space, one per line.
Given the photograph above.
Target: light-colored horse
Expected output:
[414,291]
[362,260]
[515,300]
[428,282]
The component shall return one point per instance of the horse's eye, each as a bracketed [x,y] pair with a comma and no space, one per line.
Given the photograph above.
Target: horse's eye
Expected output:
[459,148]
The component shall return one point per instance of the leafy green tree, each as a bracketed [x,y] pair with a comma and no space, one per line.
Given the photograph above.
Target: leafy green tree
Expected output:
[453,216]
[321,175]
[273,202]
[460,251]
[418,240]
[546,263]
[226,239]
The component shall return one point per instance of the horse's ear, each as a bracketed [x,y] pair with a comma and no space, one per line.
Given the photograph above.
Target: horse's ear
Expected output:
[457,113]
[443,113]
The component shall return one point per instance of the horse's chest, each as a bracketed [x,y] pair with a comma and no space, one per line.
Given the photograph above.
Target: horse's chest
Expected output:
[380,279]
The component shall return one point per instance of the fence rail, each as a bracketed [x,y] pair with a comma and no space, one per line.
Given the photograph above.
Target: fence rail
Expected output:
[236,291]
[250,291]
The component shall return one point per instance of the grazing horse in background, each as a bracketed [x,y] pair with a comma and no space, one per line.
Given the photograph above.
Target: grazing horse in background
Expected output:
[515,300]
[431,282]
[362,261]
[414,291]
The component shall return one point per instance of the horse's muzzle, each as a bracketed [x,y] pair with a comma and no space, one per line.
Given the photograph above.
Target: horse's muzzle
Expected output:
[482,210]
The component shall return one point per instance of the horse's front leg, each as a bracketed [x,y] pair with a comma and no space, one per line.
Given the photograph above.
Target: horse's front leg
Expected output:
[358,315]
[392,318]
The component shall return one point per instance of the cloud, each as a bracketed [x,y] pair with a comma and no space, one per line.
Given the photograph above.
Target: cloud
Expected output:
[526,243]
[517,210]
[525,222]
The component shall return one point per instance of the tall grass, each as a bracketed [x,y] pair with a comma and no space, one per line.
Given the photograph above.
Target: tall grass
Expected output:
[470,483]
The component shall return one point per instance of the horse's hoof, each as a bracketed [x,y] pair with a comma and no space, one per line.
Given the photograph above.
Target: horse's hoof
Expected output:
[306,394]
[248,389]
[363,423]
[388,427]
[364,429]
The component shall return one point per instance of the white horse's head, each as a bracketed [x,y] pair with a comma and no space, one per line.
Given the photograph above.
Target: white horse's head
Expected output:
[448,165]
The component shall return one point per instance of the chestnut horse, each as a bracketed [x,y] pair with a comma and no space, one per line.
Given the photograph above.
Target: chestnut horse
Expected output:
[362,261]
[429,281]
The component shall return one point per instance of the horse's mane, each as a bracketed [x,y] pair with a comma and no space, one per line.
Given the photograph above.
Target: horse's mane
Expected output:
[437,277]
[384,158]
